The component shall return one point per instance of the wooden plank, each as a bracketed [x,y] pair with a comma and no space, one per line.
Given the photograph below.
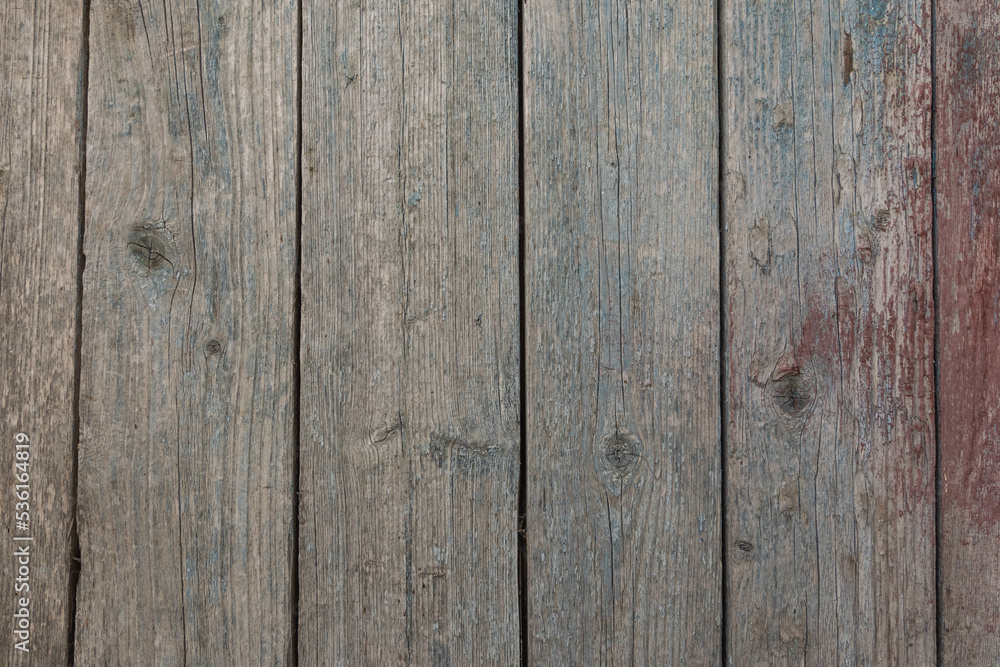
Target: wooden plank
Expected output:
[830,328]
[40,47]
[185,491]
[410,394]
[968,205]
[622,343]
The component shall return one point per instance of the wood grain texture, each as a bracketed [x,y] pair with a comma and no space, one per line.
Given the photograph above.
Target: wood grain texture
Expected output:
[40,46]
[622,343]
[830,328]
[968,206]
[185,498]
[410,396]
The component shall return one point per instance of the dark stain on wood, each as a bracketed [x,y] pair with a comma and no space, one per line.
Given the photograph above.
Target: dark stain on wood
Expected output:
[848,53]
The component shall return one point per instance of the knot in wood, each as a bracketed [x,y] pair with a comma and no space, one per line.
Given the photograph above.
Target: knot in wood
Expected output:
[148,249]
[790,394]
[880,221]
[621,451]
[792,397]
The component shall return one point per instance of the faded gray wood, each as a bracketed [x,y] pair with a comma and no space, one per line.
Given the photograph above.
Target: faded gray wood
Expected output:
[40,46]
[968,207]
[829,351]
[186,448]
[410,397]
[622,346]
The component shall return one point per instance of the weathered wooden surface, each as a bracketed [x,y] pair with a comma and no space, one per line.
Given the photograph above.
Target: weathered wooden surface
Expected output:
[968,206]
[39,219]
[185,487]
[410,410]
[829,346]
[410,398]
[622,341]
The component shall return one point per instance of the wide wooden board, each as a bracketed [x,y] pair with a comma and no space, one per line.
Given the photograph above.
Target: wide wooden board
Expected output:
[186,404]
[829,333]
[968,205]
[410,395]
[622,341]
[40,121]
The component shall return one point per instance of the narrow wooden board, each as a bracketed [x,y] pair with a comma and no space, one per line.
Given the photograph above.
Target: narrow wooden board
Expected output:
[40,47]
[830,332]
[968,205]
[186,448]
[410,393]
[622,345]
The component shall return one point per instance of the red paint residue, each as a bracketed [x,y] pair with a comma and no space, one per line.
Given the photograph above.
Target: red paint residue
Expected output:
[968,256]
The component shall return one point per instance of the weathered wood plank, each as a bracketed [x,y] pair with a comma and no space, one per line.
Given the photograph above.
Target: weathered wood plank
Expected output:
[40,47]
[623,451]
[968,205]
[830,425]
[410,399]
[185,490]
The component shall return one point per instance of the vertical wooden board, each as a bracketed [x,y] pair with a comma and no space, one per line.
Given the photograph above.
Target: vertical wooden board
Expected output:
[622,343]
[830,328]
[410,397]
[40,47]
[967,145]
[186,449]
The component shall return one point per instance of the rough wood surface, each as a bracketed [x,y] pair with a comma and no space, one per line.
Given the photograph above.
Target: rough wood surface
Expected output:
[622,345]
[410,397]
[40,46]
[409,432]
[828,298]
[968,205]
[185,488]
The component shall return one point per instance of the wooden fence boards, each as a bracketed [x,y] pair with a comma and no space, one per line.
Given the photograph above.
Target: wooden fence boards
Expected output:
[186,446]
[968,205]
[741,463]
[39,219]
[622,340]
[410,395]
[829,351]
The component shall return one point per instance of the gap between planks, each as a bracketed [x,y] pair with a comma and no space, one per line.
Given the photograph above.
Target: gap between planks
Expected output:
[81,263]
